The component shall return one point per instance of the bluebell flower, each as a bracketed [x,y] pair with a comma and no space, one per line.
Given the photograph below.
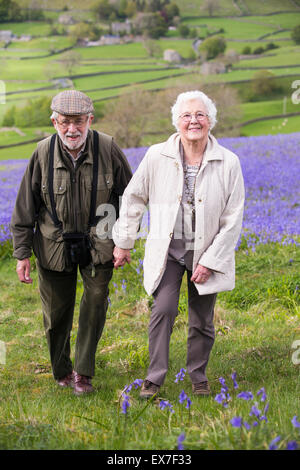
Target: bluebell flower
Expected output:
[182,396]
[292,445]
[295,423]
[220,397]
[235,384]
[136,383]
[180,375]
[247,425]
[180,440]
[224,386]
[125,404]
[262,392]
[245,395]
[188,403]
[272,445]
[236,422]
[255,412]
[166,404]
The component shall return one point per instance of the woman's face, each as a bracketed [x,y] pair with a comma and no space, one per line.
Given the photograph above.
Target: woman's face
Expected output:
[193,129]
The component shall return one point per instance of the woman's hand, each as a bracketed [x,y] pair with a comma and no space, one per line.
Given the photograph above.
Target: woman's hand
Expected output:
[121,257]
[201,274]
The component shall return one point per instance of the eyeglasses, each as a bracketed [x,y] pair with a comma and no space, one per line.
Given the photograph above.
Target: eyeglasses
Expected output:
[65,123]
[187,117]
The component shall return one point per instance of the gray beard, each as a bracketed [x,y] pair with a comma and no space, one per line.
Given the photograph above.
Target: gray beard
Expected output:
[75,145]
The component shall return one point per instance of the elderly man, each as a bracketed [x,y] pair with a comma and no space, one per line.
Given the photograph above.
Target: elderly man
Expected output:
[70,178]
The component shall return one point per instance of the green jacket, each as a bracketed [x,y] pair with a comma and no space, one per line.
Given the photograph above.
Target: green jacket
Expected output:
[32,225]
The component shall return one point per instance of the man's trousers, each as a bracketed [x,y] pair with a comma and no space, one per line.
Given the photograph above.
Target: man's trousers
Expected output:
[58,292]
[201,332]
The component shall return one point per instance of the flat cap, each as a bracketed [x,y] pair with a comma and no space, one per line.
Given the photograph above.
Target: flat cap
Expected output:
[72,102]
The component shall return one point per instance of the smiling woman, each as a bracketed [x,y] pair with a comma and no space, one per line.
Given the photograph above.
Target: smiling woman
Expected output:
[184,180]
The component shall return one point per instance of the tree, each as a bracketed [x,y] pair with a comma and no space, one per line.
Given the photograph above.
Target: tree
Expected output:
[295,34]
[9,11]
[263,83]
[127,118]
[153,49]
[103,9]
[70,60]
[211,6]
[213,46]
[184,30]
[150,24]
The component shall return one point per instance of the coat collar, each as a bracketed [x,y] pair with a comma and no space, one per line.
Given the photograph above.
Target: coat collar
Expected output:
[212,152]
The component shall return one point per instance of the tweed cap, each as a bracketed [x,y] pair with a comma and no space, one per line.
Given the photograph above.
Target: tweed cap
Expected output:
[72,102]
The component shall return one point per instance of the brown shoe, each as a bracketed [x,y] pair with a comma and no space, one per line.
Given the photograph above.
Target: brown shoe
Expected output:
[82,384]
[67,381]
[201,388]
[149,389]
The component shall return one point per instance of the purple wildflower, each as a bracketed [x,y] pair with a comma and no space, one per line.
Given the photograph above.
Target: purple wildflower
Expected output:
[224,386]
[236,422]
[292,445]
[255,412]
[245,395]
[272,445]
[180,440]
[262,392]
[247,425]
[182,397]
[233,377]
[180,375]
[295,423]
[188,403]
[125,404]
[166,404]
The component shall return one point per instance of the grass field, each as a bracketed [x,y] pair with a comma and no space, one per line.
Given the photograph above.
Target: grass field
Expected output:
[254,339]
[138,68]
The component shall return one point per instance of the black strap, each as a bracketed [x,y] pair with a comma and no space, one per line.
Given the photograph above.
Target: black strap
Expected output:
[92,216]
[95,179]
[50,182]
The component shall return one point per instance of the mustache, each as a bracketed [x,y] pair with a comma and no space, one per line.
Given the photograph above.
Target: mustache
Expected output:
[75,134]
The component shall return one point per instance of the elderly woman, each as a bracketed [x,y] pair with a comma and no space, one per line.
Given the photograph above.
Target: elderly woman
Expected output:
[195,192]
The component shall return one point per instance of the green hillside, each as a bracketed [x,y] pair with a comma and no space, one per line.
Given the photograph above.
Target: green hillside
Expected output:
[38,67]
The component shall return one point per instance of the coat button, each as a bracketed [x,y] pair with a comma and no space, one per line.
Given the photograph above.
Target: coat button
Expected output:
[171,235]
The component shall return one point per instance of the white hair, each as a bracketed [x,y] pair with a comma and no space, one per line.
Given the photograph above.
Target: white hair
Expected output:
[55,115]
[194,95]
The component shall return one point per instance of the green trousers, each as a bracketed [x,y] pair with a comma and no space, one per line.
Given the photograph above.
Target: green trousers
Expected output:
[58,293]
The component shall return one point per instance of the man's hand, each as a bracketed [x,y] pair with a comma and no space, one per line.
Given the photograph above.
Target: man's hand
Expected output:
[23,270]
[201,274]
[121,257]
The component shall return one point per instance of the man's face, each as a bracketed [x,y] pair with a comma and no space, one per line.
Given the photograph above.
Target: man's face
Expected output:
[73,129]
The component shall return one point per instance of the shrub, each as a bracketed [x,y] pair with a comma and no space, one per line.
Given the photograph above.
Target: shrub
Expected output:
[295,34]
[246,50]
[213,46]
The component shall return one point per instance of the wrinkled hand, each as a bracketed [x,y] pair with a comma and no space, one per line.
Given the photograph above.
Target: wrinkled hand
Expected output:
[23,271]
[201,274]
[121,257]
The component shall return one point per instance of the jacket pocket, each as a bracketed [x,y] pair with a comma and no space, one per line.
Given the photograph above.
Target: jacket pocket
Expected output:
[102,248]
[49,252]
[60,197]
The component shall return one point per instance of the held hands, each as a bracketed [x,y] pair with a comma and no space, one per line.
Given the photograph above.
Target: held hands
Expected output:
[121,257]
[201,274]
[23,271]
